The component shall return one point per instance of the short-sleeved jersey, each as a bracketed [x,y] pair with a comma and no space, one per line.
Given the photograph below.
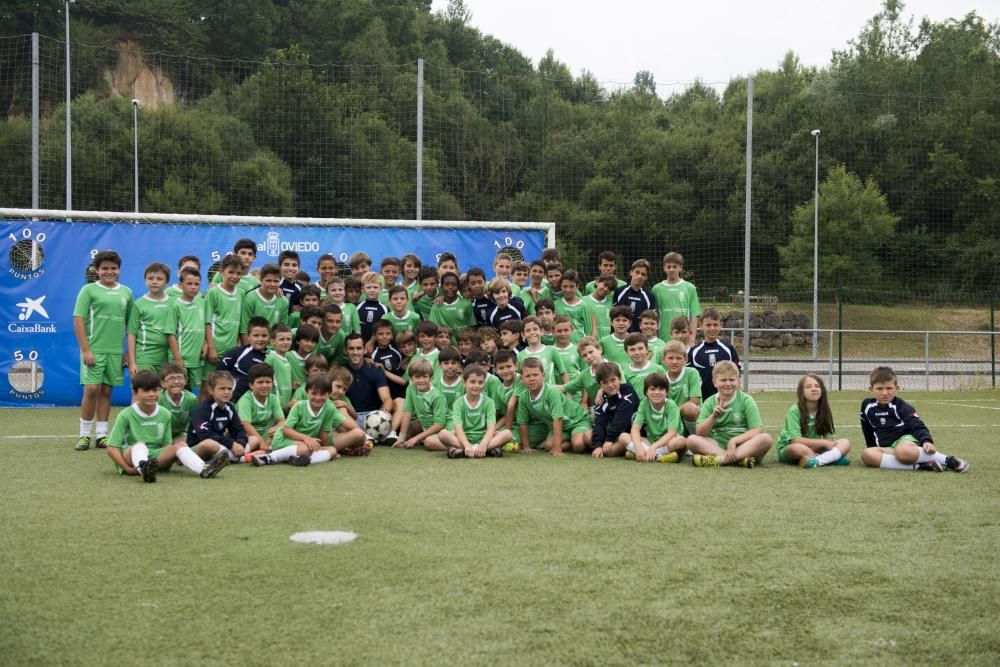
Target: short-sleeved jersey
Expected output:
[274,310]
[451,392]
[793,428]
[105,312]
[370,312]
[180,412]
[656,346]
[191,319]
[685,386]
[475,419]
[282,366]
[500,393]
[679,299]
[331,348]
[740,416]
[547,406]
[457,315]
[657,422]
[614,350]
[151,321]
[349,322]
[301,418]
[297,366]
[247,282]
[637,376]
[572,362]
[585,381]
[428,407]
[261,416]
[224,310]
[132,426]
[577,313]
[551,361]
[424,305]
[597,312]
[406,322]
[431,357]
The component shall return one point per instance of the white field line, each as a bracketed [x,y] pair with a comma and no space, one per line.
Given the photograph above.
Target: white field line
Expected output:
[966,405]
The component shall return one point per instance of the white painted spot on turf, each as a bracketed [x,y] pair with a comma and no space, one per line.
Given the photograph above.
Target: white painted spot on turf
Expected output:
[324,537]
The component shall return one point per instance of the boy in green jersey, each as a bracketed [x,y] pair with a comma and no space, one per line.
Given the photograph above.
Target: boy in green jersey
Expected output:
[607,266]
[331,334]
[315,364]
[649,325]
[224,305]
[303,344]
[425,411]
[680,330]
[277,358]
[565,345]
[585,381]
[546,314]
[411,273]
[309,297]
[730,430]
[260,409]
[536,288]
[685,383]
[639,365]
[400,316]
[267,301]
[100,317]
[244,250]
[192,315]
[185,262]
[152,324]
[449,380]
[555,372]
[426,345]
[451,309]
[315,431]
[613,345]
[424,299]
[656,426]
[675,296]
[546,417]
[473,430]
[337,295]
[598,306]
[141,441]
[176,400]
[570,304]
[503,388]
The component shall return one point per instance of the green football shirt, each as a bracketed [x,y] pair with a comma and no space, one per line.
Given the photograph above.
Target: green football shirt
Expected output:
[132,425]
[546,406]
[500,393]
[301,418]
[597,312]
[429,407]
[614,350]
[180,412]
[656,346]
[105,312]
[247,282]
[589,288]
[261,416]
[191,319]
[572,362]
[793,428]
[451,392]
[282,366]
[475,419]
[274,310]
[636,376]
[740,416]
[224,310]
[551,362]
[657,422]
[406,322]
[457,315]
[151,321]
[685,386]
[675,300]
[577,313]
[297,366]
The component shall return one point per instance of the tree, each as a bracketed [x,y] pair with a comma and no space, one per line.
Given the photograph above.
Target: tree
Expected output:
[855,223]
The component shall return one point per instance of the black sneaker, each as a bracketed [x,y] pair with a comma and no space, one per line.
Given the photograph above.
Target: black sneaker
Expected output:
[956,464]
[219,461]
[390,439]
[264,460]
[101,442]
[495,453]
[148,470]
[930,466]
[456,453]
[300,461]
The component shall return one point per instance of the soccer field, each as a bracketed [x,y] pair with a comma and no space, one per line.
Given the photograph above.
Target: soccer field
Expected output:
[521,560]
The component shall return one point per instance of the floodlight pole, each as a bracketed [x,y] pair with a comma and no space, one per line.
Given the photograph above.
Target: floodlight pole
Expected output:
[135,131]
[69,148]
[815,133]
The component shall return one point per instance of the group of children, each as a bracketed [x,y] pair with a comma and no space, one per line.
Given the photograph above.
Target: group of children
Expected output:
[530,360]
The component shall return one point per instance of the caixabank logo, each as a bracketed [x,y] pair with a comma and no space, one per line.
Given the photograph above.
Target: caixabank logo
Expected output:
[32,317]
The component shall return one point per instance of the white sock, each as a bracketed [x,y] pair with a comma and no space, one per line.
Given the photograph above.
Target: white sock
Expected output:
[102,429]
[936,456]
[660,451]
[233,458]
[828,457]
[85,427]
[190,460]
[283,454]
[890,462]
[322,456]
[140,453]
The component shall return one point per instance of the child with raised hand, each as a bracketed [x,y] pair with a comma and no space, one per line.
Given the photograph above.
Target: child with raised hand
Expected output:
[140,442]
[176,400]
[730,430]
[152,325]
[895,436]
[473,433]
[260,409]
[100,317]
[685,383]
[216,429]
[808,437]
[315,431]
[656,427]
[546,417]
[425,411]
[613,417]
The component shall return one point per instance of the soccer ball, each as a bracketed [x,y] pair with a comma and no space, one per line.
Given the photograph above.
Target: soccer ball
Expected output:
[378,424]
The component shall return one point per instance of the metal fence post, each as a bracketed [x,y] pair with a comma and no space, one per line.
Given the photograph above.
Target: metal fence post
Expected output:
[420,139]
[993,337]
[746,241]
[927,361]
[840,340]
[34,120]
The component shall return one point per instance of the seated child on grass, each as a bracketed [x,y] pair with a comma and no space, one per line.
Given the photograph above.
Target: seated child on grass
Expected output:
[730,430]
[425,411]
[896,437]
[808,437]
[473,432]
[613,417]
[260,409]
[654,435]
[216,428]
[546,417]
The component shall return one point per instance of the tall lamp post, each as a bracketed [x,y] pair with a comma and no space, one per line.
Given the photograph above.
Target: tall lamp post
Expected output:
[69,148]
[815,133]
[135,134]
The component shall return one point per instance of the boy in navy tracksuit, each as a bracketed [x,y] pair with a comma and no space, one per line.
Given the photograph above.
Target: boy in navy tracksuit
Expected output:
[614,416]
[239,360]
[215,430]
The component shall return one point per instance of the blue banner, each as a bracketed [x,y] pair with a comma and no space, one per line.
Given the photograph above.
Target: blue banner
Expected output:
[46,265]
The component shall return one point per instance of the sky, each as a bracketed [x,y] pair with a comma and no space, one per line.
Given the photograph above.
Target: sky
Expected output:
[680,42]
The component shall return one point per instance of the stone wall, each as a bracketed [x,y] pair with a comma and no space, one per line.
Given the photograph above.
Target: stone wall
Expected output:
[797,332]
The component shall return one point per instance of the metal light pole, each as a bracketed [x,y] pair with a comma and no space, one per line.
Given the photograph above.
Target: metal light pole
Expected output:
[69,148]
[135,132]
[815,133]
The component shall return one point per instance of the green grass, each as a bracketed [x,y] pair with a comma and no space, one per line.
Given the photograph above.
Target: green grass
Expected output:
[523,560]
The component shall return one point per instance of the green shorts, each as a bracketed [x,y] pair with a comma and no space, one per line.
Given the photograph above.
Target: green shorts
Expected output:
[107,369]
[195,374]
[783,453]
[153,453]
[539,431]
[902,439]
[150,361]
